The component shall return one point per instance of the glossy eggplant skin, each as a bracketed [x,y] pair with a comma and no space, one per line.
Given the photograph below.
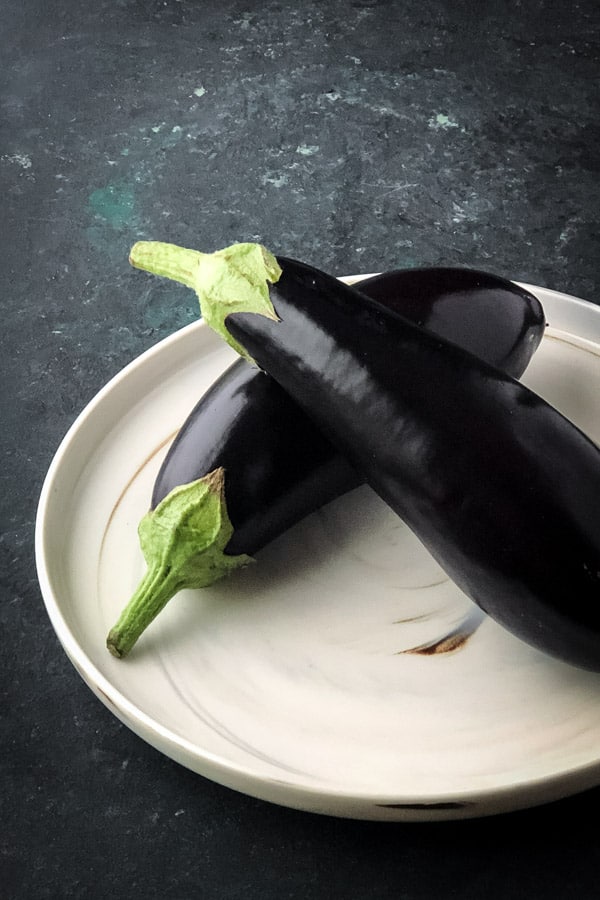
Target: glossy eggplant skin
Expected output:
[279,467]
[487,315]
[499,486]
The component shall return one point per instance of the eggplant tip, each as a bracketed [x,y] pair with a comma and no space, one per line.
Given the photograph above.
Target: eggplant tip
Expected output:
[112,644]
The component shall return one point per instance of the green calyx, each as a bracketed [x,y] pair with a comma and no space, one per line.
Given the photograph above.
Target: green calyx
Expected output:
[228,281]
[183,542]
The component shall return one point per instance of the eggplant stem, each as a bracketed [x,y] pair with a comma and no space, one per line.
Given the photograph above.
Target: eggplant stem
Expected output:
[153,593]
[183,541]
[168,260]
[238,277]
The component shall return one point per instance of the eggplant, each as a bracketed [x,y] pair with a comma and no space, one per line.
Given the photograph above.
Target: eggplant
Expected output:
[279,467]
[501,488]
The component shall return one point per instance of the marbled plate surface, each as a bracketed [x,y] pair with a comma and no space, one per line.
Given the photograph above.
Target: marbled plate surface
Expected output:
[342,673]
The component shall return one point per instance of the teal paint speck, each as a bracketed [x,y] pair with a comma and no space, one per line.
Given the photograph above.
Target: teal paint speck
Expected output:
[406,262]
[113,203]
[165,313]
[441,121]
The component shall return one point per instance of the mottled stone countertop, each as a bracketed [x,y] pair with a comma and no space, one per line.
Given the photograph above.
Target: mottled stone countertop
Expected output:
[359,135]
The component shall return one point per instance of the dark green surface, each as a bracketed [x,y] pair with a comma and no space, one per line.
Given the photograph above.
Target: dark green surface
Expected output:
[358,136]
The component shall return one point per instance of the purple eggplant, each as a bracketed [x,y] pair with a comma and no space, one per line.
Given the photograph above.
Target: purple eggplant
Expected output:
[501,488]
[278,465]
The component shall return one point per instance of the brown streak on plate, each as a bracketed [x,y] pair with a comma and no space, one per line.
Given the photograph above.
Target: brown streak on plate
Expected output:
[410,619]
[448,805]
[130,482]
[106,699]
[447,644]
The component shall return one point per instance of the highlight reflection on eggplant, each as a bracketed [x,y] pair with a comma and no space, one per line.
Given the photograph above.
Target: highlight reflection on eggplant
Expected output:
[278,465]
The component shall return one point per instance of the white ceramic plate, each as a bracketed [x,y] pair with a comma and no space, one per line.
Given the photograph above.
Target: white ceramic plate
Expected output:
[291,681]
